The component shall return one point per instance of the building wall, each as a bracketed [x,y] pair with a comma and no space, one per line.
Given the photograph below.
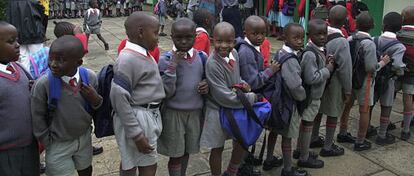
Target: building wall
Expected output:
[396,5]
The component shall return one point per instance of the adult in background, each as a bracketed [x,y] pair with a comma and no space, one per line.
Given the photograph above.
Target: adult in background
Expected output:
[231,14]
[26,16]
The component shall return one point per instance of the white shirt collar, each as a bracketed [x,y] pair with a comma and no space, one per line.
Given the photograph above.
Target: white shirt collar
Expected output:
[289,50]
[66,79]
[189,52]
[410,26]
[230,57]
[3,68]
[136,48]
[201,29]
[250,43]
[332,30]
[389,34]
[364,33]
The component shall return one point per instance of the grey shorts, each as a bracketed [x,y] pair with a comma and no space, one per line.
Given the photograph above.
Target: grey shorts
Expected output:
[406,88]
[93,30]
[293,130]
[64,158]
[332,102]
[387,97]
[23,160]
[150,122]
[311,111]
[365,95]
[212,135]
[161,19]
[181,132]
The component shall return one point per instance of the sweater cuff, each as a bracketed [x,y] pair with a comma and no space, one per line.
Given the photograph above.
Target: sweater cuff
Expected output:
[268,72]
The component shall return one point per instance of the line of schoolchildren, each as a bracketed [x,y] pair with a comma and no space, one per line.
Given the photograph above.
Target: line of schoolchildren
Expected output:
[77,8]
[192,88]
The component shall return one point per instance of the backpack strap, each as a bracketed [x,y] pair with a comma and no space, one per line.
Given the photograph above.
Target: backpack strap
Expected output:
[83,74]
[28,75]
[122,81]
[54,91]
[388,45]
[203,57]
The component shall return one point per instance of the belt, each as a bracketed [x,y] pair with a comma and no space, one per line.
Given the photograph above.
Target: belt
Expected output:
[151,105]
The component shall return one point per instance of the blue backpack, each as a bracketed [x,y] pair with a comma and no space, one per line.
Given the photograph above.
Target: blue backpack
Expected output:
[39,63]
[276,92]
[245,125]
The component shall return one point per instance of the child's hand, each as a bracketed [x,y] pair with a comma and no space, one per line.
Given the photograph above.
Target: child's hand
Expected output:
[143,145]
[90,94]
[246,87]
[179,55]
[275,66]
[386,59]
[77,30]
[202,87]
[330,58]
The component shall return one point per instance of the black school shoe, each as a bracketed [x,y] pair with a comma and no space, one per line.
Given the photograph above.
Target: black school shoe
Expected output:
[372,131]
[311,163]
[248,170]
[275,162]
[389,139]
[345,138]
[317,143]
[97,150]
[405,135]
[361,147]
[294,172]
[334,151]
[391,126]
[296,154]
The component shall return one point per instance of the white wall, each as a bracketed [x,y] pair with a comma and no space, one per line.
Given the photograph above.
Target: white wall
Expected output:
[396,5]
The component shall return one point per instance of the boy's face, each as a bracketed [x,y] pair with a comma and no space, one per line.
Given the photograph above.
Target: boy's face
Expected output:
[61,63]
[294,37]
[9,47]
[183,37]
[224,42]
[319,35]
[149,35]
[94,4]
[256,33]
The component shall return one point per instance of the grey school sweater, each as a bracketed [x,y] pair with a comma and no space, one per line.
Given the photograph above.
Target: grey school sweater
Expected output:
[68,121]
[314,72]
[220,79]
[291,73]
[143,75]
[181,82]
[15,118]
[396,52]
[339,48]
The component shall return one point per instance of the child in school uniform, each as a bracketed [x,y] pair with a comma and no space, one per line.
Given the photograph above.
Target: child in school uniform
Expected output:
[392,23]
[291,76]
[162,15]
[182,71]
[202,18]
[66,129]
[316,70]
[364,94]
[18,148]
[154,53]
[222,72]
[407,81]
[338,86]
[252,70]
[137,120]
[272,11]
[93,21]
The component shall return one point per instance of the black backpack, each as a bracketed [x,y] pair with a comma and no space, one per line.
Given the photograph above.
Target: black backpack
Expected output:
[358,63]
[103,117]
[386,73]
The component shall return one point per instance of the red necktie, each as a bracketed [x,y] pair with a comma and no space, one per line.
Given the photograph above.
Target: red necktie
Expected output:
[11,69]
[72,82]
[231,63]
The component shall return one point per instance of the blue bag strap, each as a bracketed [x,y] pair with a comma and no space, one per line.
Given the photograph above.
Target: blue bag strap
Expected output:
[203,57]
[83,74]
[54,91]
[122,81]
[388,45]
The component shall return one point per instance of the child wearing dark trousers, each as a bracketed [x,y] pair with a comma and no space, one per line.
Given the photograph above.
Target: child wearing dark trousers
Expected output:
[222,72]
[68,145]
[407,81]
[182,72]
[316,69]
[253,71]
[338,86]
[18,149]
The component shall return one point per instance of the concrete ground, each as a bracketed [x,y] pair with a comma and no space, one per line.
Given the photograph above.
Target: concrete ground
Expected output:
[396,159]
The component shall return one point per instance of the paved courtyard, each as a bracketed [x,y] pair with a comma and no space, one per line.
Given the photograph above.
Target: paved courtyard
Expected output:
[396,159]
